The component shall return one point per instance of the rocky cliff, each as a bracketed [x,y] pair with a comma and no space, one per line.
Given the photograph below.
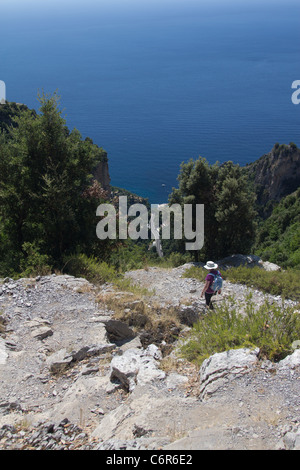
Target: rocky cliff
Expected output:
[101,174]
[275,175]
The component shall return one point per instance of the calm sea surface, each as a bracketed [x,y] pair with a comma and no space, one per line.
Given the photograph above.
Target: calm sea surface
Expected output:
[158,85]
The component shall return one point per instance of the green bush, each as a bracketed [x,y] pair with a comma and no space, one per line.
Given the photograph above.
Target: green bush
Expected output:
[132,255]
[33,262]
[128,256]
[90,268]
[278,237]
[196,272]
[271,328]
[99,272]
[177,259]
[283,283]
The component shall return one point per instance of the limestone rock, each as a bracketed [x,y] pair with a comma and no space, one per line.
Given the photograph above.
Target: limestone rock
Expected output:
[163,409]
[222,367]
[136,366]
[239,260]
[291,440]
[268,266]
[59,361]
[291,361]
[275,175]
[101,174]
[249,261]
[37,322]
[42,332]
[111,422]
[118,330]
[3,353]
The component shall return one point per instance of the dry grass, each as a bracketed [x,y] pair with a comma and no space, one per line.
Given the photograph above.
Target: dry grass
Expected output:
[159,323]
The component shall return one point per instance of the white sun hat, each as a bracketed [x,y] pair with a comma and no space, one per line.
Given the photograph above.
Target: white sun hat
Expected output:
[211,265]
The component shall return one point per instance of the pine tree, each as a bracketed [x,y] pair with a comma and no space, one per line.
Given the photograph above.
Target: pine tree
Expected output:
[44,172]
[229,214]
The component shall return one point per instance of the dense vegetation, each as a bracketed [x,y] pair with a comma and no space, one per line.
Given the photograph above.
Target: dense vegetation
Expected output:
[278,237]
[273,328]
[46,210]
[48,201]
[229,216]
[9,112]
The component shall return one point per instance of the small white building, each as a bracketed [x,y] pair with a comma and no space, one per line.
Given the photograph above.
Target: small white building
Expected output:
[2,92]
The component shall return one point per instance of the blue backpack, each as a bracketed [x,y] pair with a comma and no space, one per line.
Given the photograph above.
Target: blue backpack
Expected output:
[217,283]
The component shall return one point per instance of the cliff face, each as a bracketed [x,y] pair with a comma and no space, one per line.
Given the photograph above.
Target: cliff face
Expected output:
[101,174]
[275,175]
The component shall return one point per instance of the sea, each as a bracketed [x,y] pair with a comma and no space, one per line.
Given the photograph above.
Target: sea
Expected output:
[157,83]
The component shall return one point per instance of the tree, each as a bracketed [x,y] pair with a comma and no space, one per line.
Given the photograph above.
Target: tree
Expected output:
[197,180]
[44,171]
[229,214]
[235,211]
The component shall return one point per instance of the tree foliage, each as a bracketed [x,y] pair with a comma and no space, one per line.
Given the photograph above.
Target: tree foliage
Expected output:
[48,200]
[278,237]
[44,171]
[229,214]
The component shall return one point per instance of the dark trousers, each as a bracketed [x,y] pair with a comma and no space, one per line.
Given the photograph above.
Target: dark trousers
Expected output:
[208,298]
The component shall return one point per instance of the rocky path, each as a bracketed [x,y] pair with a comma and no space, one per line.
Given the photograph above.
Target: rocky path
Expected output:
[44,318]
[170,287]
[66,384]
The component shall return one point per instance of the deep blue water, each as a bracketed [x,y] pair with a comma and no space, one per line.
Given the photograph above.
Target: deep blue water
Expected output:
[158,84]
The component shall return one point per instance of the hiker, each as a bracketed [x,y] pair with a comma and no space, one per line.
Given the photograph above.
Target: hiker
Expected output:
[213,283]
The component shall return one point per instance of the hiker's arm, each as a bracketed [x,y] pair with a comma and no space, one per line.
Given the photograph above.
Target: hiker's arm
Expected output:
[205,288]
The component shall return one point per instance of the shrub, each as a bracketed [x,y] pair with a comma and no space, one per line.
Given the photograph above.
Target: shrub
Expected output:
[196,272]
[283,283]
[278,236]
[99,272]
[34,263]
[271,328]
[90,268]
[128,256]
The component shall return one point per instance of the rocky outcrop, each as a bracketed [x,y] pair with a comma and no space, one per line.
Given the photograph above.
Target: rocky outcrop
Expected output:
[101,174]
[3,352]
[291,439]
[221,367]
[249,261]
[275,175]
[61,360]
[137,367]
